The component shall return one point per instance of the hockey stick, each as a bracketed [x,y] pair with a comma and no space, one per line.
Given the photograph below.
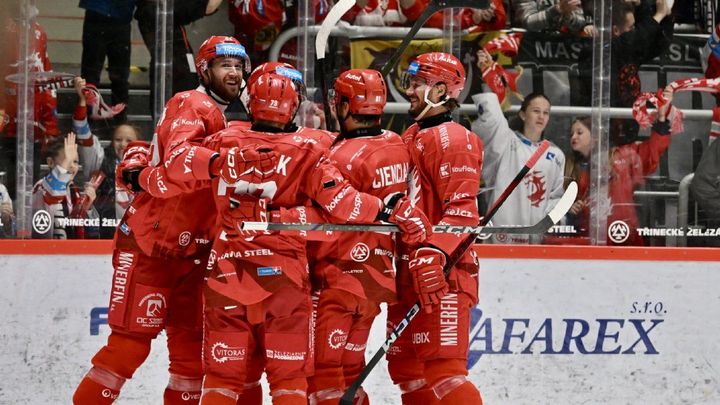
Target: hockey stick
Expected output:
[539,227]
[555,215]
[432,8]
[321,41]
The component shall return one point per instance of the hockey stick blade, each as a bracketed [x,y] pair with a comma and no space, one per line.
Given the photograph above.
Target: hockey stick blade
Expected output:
[321,41]
[330,21]
[432,8]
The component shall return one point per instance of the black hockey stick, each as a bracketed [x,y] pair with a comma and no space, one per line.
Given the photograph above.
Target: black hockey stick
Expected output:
[321,41]
[555,215]
[432,8]
[537,228]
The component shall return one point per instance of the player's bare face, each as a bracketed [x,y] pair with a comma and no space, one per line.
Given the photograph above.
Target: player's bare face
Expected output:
[415,91]
[225,77]
[580,140]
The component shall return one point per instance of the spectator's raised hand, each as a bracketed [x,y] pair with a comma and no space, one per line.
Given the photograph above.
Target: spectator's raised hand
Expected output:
[661,10]
[80,84]
[567,7]
[483,59]
[665,107]
[487,14]
[70,158]
[589,31]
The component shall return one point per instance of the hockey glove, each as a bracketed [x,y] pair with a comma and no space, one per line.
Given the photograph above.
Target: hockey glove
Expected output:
[413,223]
[127,172]
[244,208]
[251,163]
[426,269]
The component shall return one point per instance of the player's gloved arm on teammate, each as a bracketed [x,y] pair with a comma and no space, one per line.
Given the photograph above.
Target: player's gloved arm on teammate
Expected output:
[249,163]
[243,208]
[426,269]
[413,223]
[343,203]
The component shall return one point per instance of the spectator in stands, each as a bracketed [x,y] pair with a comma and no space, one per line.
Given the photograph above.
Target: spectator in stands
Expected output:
[553,15]
[705,185]
[507,148]
[629,165]
[184,76]
[7,215]
[45,121]
[633,45]
[56,194]
[110,203]
[490,19]
[106,33]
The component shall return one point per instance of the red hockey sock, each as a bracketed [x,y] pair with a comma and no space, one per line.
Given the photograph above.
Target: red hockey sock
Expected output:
[172,397]
[90,392]
[251,395]
[465,394]
[216,398]
[424,396]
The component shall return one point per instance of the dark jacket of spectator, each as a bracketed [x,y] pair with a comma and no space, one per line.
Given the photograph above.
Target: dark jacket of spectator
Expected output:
[119,10]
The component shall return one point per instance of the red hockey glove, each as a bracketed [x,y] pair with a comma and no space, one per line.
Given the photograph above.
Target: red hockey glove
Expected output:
[250,163]
[413,223]
[244,208]
[426,269]
[127,172]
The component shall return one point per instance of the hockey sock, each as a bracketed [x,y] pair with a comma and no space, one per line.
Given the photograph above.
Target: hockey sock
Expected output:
[98,387]
[424,396]
[217,397]
[292,391]
[450,393]
[182,390]
[172,397]
[252,394]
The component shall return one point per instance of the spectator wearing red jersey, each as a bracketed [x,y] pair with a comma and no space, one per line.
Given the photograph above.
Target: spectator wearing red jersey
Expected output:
[490,19]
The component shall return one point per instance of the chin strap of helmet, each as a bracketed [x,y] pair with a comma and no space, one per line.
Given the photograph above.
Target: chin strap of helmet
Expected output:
[429,103]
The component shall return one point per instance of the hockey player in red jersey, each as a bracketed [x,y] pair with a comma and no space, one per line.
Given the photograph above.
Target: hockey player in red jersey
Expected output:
[257,299]
[428,361]
[161,245]
[354,273]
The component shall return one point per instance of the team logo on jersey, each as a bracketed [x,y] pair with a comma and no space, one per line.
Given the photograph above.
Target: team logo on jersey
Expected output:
[41,221]
[184,239]
[337,339]
[221,352]
[445,170]
[618,231]
[535,185]
[360,252]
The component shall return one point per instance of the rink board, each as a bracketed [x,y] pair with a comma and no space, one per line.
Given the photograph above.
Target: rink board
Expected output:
[545,331]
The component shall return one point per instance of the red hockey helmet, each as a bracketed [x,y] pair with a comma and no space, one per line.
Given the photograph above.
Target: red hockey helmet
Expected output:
[273,98]
[437,67]
[282,69]
[364,89]
[217,46]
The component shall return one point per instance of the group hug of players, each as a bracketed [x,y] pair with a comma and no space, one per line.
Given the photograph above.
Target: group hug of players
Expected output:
[296,306]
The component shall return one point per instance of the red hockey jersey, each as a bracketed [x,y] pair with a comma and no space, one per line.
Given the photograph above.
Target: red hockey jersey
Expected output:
[181,225]
[362,263]
[444,182]
[252,269]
